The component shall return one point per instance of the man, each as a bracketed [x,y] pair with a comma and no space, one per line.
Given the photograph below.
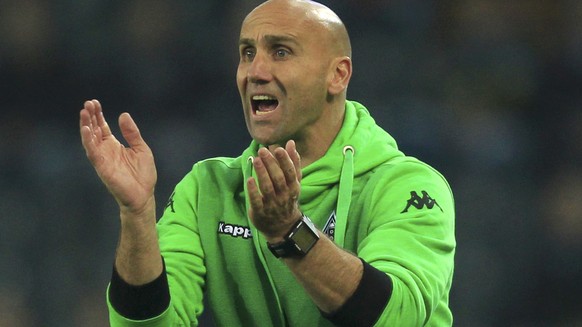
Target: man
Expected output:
[321,221]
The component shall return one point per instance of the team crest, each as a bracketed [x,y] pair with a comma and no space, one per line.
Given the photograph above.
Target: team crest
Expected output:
[329,228]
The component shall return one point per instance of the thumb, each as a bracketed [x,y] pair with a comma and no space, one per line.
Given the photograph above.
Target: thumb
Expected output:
[291,148]
[130,131]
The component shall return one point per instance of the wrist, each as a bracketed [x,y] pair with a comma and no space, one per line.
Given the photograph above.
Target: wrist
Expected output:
[144,213]
[297,242]
[276,235]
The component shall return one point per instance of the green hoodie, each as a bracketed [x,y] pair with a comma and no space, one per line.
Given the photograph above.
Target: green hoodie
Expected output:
[393,211]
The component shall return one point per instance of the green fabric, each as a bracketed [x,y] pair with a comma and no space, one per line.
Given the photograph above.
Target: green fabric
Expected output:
[206,247]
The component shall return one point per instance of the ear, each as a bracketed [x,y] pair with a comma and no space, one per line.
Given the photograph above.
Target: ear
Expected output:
[340,74]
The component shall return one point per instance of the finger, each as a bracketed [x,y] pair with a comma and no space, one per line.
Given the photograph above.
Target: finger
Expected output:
[88,138]
[100,118]
[90,108]
[86,126]
[130,131]
[264,180]
[254,196]
[295,158]
[86,114]
[287,166]
[273,167]
[84,119]
[85,129]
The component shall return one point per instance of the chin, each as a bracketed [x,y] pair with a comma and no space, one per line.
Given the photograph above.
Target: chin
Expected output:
[265,139]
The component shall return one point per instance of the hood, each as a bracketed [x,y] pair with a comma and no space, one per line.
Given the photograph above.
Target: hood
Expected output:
[371,144]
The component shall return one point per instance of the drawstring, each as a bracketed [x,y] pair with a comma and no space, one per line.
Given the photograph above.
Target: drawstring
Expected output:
[257,240]
[345,195]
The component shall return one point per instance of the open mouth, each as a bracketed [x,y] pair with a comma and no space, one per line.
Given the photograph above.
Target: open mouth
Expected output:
[263,104]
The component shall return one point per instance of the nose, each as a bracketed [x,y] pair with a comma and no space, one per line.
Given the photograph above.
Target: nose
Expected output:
[260,69]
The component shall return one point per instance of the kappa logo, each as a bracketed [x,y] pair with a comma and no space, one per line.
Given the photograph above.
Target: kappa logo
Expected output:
[329,228]
[170,203]
[234,230]
[420,202]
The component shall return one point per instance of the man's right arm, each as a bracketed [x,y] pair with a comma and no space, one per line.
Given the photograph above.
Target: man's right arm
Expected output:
[183,274]
[129,173]
[139,288]
[138,258]
[139,292]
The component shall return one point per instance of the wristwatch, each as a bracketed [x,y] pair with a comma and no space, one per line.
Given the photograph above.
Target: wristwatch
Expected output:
[298,241]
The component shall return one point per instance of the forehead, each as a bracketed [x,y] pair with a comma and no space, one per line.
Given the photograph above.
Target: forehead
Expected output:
[286,21]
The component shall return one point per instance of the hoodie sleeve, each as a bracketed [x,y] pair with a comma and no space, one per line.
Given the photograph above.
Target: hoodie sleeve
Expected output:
[409,214]
[184,261]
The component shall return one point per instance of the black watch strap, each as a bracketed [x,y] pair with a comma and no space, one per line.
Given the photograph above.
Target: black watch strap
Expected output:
[298,242]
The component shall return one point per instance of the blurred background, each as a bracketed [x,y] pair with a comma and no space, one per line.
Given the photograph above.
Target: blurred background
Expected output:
[486,91]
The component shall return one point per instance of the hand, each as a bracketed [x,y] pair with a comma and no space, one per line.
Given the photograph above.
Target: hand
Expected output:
[274,206]
[129,173]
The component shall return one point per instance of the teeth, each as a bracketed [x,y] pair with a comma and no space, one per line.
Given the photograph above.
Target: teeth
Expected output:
[263,97]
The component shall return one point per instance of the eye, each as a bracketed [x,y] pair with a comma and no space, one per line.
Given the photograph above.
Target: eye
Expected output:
[282,53]
[247,54]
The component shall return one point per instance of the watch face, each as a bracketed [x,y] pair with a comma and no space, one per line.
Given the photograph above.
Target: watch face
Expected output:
[304,237]
[298,242]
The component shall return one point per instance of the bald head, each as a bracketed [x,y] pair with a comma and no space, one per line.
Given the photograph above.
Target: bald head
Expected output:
[293,74]
[314,16]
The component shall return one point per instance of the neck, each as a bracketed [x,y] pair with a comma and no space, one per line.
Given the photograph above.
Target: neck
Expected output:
[317,141]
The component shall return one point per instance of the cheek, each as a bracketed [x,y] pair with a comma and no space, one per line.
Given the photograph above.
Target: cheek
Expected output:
[309,88]
[241,77]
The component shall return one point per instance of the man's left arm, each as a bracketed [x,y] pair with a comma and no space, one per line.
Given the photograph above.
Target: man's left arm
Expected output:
[333,277]
[412,269]
[346,289]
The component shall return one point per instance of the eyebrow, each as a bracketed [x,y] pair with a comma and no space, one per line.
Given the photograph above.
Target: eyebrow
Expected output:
[270,39]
